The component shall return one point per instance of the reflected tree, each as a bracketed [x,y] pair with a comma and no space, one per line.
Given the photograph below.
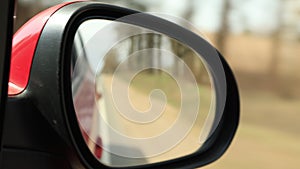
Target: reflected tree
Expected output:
[187,54]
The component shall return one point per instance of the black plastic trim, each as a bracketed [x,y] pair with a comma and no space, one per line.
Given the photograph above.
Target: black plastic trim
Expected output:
[26,159]
[6,30]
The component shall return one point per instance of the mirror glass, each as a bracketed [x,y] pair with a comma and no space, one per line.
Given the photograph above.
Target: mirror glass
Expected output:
[140,96]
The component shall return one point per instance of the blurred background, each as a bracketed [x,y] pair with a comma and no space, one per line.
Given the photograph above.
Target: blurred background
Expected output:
[260,39]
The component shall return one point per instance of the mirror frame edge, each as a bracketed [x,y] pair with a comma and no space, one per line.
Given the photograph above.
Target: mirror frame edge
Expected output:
[81,11]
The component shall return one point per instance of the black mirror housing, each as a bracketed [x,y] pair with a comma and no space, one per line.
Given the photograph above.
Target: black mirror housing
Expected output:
[48,96]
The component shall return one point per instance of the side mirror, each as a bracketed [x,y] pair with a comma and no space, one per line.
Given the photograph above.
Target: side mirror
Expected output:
[123,88]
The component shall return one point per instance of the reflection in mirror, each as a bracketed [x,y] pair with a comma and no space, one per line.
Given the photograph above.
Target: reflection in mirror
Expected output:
[140,97]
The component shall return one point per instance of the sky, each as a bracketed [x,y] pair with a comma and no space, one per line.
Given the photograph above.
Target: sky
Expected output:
[257,16]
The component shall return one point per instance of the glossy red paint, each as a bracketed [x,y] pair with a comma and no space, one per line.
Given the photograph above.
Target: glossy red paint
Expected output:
[23,48]
[98,148]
